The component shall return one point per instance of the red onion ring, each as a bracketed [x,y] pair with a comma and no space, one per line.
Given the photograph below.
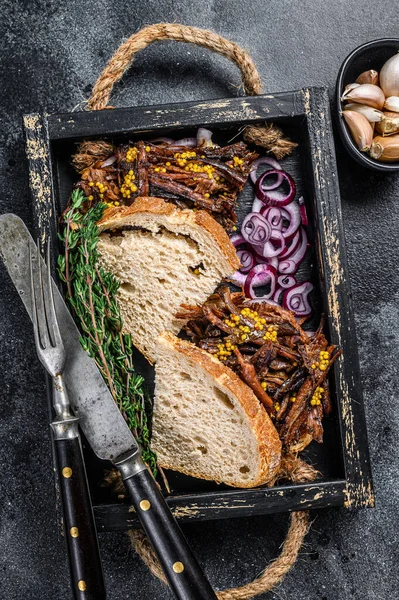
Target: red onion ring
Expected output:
[297,299]
[238,278]
[291,264]
[246,259]
[236,239]
[273,262]
[271,162]
[292,246]
[274,197]
[302,210]
[277,294]
[257,205]
[258,276]
[286,281]
[269,249]
[256,230]
[293,215]
[274,215]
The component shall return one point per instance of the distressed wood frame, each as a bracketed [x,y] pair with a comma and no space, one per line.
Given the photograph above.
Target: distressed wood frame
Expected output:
[356,489]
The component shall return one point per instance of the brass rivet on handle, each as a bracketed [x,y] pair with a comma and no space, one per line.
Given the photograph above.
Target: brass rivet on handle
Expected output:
[82,585]
[178,567]
[74,531]
[145,505]
[67,472]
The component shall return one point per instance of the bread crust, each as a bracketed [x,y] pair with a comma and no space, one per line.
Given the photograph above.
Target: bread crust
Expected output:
[117,217]
[259,420]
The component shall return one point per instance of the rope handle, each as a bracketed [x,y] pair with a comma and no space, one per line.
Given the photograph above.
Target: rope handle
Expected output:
[269,136]
[123,57]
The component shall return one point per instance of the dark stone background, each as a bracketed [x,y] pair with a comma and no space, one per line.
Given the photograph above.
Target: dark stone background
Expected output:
[51,53]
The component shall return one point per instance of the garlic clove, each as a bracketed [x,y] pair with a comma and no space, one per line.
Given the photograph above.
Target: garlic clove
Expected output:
[366,93]
[385,149]
[360,129]
[392,103]
[389,76]
[370,76]
[350,86]
[389,124]
[373,115]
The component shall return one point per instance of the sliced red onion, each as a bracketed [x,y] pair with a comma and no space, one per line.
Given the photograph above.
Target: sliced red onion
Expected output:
[110,161]
[277,294]
[291,264]
[302,210]
[262,260]
[274,215]
[292,245]
[239,278]
[257,205]
[256,231]
[275,245]
[204,138]
[271,162]
[258,276]
[236,239]
[293,215]
[162,140]
[274,197]
[189,142]
[296,299]
[246,259]
[286,281]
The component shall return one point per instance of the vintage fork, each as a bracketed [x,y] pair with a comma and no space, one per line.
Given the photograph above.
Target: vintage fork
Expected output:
[79,526]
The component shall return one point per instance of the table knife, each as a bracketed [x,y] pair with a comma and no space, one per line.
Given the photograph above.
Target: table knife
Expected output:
[107,431]
[87,580]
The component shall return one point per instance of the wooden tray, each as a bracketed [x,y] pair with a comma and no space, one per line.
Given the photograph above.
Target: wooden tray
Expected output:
[304,115]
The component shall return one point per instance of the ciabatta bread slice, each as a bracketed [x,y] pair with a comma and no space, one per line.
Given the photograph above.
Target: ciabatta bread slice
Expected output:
[208,423]
[163,257]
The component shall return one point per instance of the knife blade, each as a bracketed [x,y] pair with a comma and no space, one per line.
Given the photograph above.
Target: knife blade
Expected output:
[106,430]
[100,419]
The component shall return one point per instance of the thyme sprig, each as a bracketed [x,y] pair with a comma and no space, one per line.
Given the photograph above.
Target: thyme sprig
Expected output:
[91,293]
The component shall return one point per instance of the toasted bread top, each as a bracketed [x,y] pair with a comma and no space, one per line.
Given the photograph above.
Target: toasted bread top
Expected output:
[120,216]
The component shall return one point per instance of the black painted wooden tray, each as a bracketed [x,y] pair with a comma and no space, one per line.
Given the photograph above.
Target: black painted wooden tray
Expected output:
[304,116]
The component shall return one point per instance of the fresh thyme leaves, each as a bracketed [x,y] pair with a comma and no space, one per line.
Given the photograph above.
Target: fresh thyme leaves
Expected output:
[91,293]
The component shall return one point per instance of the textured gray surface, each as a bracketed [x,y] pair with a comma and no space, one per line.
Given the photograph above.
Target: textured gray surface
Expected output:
[51,54]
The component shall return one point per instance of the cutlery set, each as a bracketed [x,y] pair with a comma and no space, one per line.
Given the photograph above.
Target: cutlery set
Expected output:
[82,399]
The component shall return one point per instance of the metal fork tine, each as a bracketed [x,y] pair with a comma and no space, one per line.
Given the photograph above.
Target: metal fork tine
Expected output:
[34,303]
[50,307]
[40,304]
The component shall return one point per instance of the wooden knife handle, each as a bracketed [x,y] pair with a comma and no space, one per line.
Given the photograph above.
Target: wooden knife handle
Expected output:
[80,530]
[184,575]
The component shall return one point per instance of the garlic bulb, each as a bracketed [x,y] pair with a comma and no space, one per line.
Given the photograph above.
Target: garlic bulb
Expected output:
[370,76]
[373,115]
[360,128]
[389,76]
[366,93]
[385,149]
